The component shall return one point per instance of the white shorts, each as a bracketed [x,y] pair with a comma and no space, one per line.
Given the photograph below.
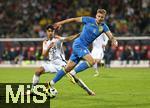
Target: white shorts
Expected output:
[53,66]
[97,54]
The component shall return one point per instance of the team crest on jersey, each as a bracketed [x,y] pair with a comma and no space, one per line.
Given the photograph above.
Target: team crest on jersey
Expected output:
[100,28]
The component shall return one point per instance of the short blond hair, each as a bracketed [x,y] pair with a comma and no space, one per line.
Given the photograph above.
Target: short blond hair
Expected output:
[102,11]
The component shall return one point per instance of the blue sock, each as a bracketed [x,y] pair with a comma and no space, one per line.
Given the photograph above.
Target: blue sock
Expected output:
[59,75]
[83,66]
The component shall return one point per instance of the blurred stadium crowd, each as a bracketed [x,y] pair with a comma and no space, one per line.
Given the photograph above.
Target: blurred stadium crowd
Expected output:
[28,18]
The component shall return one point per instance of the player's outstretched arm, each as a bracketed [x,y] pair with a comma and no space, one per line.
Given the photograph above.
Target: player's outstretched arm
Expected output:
[112,38]
[72,37]
[69,38]
[59,24]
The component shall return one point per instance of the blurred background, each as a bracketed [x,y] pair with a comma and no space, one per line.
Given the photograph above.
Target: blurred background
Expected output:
[22,19]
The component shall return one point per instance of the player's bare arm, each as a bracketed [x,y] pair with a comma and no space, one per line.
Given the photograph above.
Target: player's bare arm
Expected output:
[112,38]
[69,38]
[72,37]
[59,24]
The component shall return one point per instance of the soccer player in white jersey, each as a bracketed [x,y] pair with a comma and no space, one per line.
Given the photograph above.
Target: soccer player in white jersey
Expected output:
[98,50]
[52,47]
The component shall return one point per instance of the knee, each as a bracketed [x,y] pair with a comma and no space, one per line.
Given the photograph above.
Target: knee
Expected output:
[92,62]
[39,71]
[70,65]
[67,69]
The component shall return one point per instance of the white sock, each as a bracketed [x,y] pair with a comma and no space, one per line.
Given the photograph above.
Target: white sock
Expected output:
[73,72]
[95,67]
[52,83]
[35,80]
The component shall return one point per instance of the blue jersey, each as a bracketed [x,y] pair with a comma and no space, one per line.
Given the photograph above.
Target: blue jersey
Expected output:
[90,31]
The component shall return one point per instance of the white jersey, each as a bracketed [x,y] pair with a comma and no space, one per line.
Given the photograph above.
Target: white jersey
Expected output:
[56,52]
[98,49]
[100,41]
[56,55]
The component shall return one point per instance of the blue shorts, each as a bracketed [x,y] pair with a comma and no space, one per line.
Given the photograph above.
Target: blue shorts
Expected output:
[79,51]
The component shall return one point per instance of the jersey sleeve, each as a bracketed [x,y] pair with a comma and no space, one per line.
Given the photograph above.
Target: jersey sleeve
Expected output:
[59,38]
[105,28]
[62,38]
[86,20]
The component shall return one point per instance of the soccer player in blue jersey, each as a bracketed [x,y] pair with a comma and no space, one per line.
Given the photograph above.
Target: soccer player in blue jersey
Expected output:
[92,28]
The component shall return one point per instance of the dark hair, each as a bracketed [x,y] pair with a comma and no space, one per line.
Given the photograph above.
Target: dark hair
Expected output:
[49,27]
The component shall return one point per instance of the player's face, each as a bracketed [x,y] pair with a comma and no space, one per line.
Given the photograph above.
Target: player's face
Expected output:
[49,33]
[100,17]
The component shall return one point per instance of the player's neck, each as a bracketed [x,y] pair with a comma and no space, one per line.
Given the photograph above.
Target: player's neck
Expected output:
[97,22]
[50,38]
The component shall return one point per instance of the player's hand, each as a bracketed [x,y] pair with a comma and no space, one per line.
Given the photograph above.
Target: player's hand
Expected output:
[114,42]
[57,26]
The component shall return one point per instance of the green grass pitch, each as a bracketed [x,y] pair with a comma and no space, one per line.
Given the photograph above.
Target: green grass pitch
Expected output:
[114,88]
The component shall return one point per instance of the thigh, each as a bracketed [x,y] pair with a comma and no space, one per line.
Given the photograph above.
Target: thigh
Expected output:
[89,59]
[97,54]
[74,58]
[82,52]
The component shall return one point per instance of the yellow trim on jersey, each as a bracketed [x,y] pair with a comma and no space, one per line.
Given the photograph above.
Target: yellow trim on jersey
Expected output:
[89,65]
[64,70]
